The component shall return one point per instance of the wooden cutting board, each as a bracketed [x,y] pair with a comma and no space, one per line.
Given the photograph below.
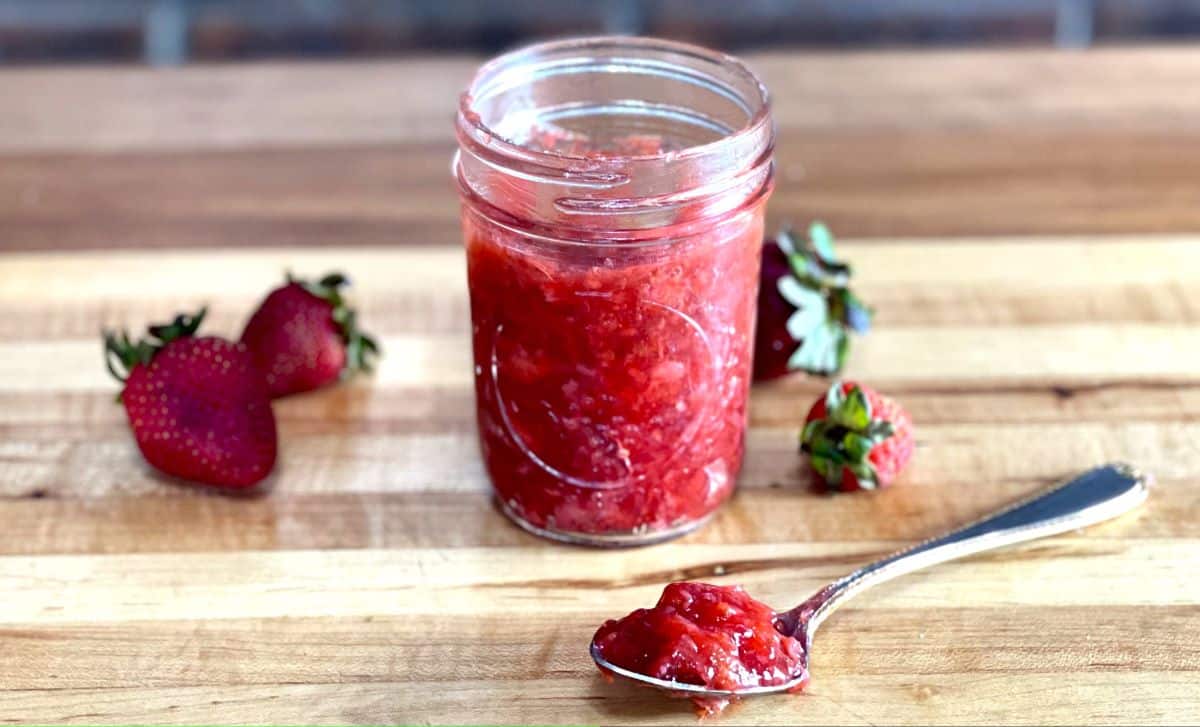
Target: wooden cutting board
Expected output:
[374,582]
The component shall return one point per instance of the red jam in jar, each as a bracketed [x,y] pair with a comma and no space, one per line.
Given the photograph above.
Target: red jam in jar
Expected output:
[613,193]
[712,636]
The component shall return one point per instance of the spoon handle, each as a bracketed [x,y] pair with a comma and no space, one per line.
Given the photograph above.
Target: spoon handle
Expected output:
[1092,497]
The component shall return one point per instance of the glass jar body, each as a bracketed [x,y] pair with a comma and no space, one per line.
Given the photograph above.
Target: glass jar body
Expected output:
[613,251]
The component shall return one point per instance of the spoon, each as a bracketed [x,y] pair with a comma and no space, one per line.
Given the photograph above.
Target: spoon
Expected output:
[1092,497]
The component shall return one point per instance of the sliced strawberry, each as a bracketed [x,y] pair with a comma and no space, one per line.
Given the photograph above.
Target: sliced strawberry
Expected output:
[857,439]
[198,407]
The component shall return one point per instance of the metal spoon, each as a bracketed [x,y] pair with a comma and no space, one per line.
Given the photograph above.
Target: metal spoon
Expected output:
[1090,498]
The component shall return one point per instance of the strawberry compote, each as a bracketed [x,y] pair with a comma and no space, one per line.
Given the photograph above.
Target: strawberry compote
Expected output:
[612,263]
[612,396]
[712,636]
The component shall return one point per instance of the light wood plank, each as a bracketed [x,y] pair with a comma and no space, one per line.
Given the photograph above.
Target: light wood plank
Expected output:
[858,642]
[1149,698]
[1006,354]
[96,589]
[413,100]
[44,522]
[368,409]
[220,107]
[930,183]
[1006,142]
[364,196]
[423,289]
[876,184]
[407,309]
[977,401]
[1048,263]
[949,182]
[961,455]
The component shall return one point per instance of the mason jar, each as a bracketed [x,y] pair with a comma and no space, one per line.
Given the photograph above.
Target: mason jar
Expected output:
[612,210]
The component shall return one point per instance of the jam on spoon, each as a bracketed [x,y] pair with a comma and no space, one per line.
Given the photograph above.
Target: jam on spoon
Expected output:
[715,644]
[717,637]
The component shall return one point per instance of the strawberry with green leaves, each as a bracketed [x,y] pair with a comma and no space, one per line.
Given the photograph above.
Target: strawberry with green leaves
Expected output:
[304,336]
[806,311]
[198,406]
[857,439]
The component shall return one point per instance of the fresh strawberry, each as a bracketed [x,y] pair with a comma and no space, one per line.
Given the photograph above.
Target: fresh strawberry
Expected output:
[806,310]
[857,439]
[199,408]
[303,336]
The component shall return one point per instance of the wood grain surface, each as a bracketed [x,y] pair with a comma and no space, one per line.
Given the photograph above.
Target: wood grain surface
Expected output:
[1026,223]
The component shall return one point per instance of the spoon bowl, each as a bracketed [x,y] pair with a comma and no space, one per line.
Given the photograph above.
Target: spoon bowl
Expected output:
[695,691]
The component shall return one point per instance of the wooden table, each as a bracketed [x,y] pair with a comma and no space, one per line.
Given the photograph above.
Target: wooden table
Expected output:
[1027,224]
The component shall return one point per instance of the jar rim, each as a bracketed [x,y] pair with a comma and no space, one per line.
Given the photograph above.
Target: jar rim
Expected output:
[759,114]
[716,156]
[757,107]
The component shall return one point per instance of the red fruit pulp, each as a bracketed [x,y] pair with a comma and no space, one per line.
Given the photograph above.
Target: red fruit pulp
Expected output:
[611,381]
[713,636]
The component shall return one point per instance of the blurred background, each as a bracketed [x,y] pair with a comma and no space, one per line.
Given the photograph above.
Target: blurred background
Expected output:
[173,32]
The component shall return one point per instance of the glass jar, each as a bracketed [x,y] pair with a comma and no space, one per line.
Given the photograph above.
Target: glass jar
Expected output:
[613,193]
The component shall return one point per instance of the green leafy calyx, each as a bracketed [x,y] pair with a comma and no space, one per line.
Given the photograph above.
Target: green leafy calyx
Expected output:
[844,438]
[122,354]
[827,311]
